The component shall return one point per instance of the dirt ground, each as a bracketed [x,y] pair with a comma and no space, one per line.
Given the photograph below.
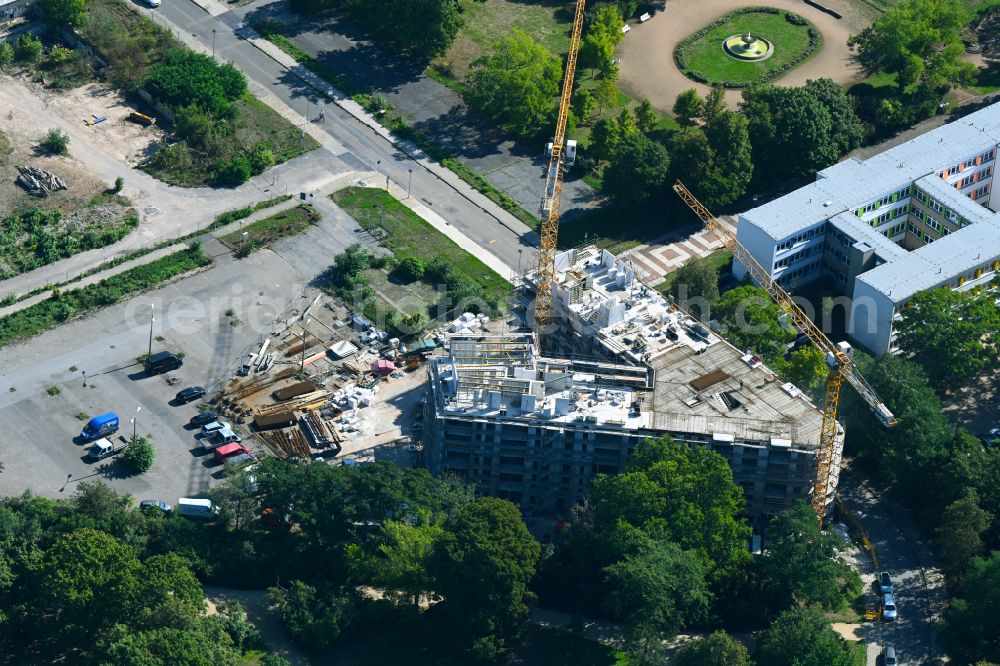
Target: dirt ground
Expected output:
[647,63]
[124,139]
[975,407]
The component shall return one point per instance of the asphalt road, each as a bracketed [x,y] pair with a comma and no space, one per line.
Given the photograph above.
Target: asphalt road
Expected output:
[919,588]
[362,147]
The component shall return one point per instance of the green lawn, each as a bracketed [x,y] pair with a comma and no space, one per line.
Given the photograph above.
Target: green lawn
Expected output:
[618,229]
[706,55]
[549,22]
[264,232]
[410,235]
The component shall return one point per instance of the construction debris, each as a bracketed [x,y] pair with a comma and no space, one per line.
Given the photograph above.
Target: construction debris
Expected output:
[38,182]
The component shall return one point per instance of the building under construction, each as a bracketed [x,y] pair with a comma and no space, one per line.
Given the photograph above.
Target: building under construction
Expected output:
[535,429]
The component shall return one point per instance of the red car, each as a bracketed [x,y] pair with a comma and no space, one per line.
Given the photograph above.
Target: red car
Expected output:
[227,451]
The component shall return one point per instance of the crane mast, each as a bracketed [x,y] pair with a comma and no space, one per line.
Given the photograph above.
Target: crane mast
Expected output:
[553,188]
[838,358]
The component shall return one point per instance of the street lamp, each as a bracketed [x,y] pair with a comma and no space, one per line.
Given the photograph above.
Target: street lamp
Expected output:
[84,377]
[134,419]
[409,182]
[213,42]
[152,307]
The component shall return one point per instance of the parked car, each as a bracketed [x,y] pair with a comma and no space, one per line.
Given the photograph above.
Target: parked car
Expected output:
[228,451]
[100,426]
[889,656]
[990,436]
[888,608]
[190,393]
[209,428]
[162,362]
[220,438]
[199,509]
[153,4]
[154,506]
[204,417]
[885,583]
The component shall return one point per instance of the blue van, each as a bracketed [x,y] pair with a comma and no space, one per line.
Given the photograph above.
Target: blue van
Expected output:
[100,426]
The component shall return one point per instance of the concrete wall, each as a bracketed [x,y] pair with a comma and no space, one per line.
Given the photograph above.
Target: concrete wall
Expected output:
[760,244]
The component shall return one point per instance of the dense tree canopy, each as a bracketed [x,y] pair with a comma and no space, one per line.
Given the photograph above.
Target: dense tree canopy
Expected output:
[516,84]
[716,649]
[638,169]
[696,284]
[68,13]
[919,41]
[802,636]
[790,130]
[800,565]
[419,28]
[972,622]
[951,333]
[753,321]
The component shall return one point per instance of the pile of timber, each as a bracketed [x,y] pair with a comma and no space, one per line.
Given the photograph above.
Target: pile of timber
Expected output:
[310,400]
[294,391]
[39,182]
[286,443]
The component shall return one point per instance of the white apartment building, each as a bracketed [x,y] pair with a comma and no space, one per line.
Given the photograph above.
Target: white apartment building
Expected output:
[918,216]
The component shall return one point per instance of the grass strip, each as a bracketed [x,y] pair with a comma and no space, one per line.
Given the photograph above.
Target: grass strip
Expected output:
[275,227]
[409,235]
[493,194]
[65,305]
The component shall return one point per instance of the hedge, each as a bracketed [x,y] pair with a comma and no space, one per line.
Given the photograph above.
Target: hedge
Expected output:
[815,41]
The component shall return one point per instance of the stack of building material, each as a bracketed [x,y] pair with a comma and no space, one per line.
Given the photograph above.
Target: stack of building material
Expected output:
[39,182]
[286,443]
[354,397]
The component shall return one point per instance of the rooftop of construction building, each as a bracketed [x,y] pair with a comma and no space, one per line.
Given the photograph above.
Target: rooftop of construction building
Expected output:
[708,387]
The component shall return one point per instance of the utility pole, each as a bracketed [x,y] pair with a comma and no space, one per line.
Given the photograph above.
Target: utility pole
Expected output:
[152,307]
[409,183]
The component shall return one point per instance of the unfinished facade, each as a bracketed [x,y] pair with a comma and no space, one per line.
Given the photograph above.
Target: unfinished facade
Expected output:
[536,430]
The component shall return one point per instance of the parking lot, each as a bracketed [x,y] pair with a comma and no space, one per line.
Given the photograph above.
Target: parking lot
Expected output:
[210,318]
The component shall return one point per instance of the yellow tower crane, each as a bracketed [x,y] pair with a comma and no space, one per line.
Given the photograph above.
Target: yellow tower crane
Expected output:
[839,358]
[553,187]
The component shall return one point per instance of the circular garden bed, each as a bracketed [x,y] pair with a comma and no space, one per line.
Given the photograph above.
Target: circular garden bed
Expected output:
[703,56]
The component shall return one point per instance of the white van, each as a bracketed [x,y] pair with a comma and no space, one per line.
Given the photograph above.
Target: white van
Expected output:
[191,507]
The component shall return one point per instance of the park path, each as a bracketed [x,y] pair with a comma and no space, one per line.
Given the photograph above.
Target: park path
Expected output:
[647,52]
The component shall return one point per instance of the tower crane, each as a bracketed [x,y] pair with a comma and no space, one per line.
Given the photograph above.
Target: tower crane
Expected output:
[839,358]
[553,187]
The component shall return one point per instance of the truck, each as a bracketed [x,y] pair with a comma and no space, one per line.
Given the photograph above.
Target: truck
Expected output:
[100,426]
[104,447]
[199,509]
[162,362]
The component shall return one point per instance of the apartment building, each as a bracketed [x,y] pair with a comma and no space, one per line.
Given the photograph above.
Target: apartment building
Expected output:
[918,216]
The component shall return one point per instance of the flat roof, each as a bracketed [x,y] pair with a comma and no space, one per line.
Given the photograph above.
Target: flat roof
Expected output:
[852,183]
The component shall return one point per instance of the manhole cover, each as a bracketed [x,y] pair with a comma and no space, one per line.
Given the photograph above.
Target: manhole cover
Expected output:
[152,210]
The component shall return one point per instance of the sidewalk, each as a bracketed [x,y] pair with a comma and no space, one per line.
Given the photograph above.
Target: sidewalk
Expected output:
[671,251]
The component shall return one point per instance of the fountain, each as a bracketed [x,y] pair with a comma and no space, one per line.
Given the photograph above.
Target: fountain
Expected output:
[748,47]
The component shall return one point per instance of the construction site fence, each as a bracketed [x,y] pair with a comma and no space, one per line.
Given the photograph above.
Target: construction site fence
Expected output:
[848,517]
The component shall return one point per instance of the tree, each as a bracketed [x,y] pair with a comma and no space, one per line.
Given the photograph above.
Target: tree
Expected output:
[583,104]
[661,588]
[637,171]
[315,617]
[675,493]
[604,138]
[806,367]
[64,13]
[951,333]
[753,321]
[203,644]
[56,142]
[920,41]
[716,649]
[184,78]
[516,83]
[688,107]
[803,637]
[800,565]
[696,283]
[645,117]
[604,33]
[790,130]
[400,563]
[421,29]
[626,123]
[972,623]
[715,103]
[481,565]
[729,136]
[411,268]
[607,95]
[959,535]
[846,131]
[139,455]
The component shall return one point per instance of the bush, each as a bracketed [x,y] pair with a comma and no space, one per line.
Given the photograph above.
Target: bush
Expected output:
[27,48]
[795,19]
[233,172]
[56,142]
[411,268]
[261,158]
[6,55]
[139,456]
[184,78]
